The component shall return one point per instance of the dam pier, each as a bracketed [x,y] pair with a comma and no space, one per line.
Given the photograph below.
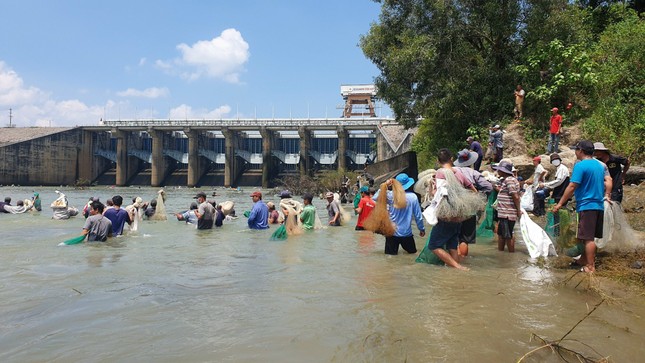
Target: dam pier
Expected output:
[225,152]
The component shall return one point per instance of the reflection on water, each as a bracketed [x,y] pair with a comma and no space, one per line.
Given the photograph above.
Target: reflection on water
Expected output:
[171,293]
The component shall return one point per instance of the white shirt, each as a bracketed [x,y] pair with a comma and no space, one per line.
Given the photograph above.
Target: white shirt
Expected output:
[537,176]
[561,173]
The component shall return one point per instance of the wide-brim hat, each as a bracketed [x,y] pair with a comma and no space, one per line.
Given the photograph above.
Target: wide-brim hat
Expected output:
[405,180]
[504,167]
[555,156]
[599,146]
[227,207]
[466,158]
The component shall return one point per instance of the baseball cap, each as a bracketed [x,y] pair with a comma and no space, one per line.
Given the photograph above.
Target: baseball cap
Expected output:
[200,194]
[285,194]
[329,195]
[538,159]
[256,194]
[554,109]
[584,145]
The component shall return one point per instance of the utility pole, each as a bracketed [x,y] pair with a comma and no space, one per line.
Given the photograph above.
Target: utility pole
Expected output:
[10,117]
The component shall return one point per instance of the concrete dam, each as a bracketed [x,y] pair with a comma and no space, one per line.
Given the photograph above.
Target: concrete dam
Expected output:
[226,152]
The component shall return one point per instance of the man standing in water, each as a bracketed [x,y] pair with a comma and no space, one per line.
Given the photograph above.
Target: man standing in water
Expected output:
[402,217]
[364,208]
[445,234]
[333,210]
[118,216]
[308,215]
[97,226]
[617,166]
[259,216]
[588,183]
[204,213]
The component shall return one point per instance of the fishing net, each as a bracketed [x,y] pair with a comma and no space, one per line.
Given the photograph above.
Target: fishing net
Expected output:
[487,226]
[398,194]
[621,235]
[279,234]
[427,256]
[459,203]
[379,220]
[160,211]
[345,216]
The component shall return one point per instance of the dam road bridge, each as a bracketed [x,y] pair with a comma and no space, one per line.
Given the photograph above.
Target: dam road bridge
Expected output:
[229,152]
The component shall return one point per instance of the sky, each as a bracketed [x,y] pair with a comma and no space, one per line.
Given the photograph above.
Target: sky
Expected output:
[74,62]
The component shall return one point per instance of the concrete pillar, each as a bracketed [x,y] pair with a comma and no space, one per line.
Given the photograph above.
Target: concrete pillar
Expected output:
[267,165]
[121,157]
[230,164]
[158,165]
[194,169]
[86,166]
[382,146]
[342,148]
[305,166]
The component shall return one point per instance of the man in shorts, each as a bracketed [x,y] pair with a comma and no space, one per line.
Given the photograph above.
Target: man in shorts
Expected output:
[445,234]
[589,183]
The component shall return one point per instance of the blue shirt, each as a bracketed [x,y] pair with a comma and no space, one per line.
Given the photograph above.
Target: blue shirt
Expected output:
[190,216]
[402,218]
[118,217]
[589,174]
[259,217]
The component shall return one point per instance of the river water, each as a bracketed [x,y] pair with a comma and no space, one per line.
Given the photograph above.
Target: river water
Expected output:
[170,293]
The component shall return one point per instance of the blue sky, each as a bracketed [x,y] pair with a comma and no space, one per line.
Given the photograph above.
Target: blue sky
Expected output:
[69,63]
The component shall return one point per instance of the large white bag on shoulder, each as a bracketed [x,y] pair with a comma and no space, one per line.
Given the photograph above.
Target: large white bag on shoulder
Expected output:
[536,239]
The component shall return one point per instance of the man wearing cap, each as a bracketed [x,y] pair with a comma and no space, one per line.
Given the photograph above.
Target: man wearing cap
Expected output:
[555,129]
[333,210]
[259,216]
[617,166]
[496,140]
[589,184]
[402,217]
[364,208]
[508,206]
[205,212]
[463,165]
[476,147]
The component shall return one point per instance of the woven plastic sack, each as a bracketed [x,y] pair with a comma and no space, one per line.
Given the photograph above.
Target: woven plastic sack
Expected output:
[279,234]
[485,229]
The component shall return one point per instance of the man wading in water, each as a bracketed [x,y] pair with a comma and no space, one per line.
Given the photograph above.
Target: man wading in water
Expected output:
[204,212]
[445,234]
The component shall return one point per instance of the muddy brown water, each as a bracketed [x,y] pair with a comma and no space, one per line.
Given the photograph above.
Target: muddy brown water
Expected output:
[170,293]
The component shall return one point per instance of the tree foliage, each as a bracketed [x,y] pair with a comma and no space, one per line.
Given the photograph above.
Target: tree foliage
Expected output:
[450,66]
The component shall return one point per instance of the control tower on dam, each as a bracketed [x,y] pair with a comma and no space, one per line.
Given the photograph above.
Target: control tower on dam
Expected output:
[229,152]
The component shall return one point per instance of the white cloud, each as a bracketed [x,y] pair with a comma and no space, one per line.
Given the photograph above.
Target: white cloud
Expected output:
[186,112]
[222,58]
[152,92]
[142,62]
[31,106]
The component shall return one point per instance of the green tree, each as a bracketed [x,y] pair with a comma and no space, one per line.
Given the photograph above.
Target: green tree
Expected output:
[619,95]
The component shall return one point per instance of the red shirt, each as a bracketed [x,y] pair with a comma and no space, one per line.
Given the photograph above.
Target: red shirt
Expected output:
[366,204]
[556,122]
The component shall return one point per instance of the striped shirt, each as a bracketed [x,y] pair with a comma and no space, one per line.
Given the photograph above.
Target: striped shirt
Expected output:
[505,204]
